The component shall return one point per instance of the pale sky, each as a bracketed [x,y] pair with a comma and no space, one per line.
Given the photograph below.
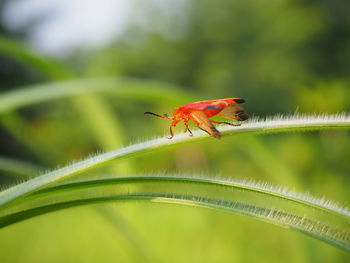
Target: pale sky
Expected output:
[68,23]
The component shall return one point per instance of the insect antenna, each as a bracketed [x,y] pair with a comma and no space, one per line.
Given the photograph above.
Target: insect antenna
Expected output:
[165,116]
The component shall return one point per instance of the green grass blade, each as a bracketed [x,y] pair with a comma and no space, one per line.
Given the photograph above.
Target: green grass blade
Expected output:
[95,111]
[18,168]
[288,124]
[54,70]
[123,87]
[50,68]
[318,218]
[248,186]
[105,125]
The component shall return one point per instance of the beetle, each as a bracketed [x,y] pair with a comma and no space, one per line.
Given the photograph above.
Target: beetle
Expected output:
[200,112]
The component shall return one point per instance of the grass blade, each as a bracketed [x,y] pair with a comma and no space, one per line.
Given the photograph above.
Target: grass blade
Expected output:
[320,219]
[18,168]
[287,124]
[123,87]
[48,67]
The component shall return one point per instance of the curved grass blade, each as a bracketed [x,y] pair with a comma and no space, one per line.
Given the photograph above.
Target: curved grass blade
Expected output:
[123,87]
[250,186]
[289,124]
[18,168]
[322,220]
[50,68]
[95,111]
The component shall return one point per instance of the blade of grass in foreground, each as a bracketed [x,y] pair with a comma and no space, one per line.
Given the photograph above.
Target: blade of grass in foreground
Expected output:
[279,124]
[320,219]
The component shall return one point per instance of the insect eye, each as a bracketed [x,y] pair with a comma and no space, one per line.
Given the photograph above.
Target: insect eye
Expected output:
[165,115]
[239,101]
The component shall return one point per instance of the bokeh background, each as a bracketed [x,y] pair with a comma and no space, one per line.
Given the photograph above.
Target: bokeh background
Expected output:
[282,56]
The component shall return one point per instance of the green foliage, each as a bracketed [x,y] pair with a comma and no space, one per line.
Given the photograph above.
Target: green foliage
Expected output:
[281,56]
[32,198]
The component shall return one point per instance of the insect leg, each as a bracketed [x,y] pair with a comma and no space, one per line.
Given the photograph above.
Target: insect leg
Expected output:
[171,132]
[203,130]
[224,122]
[188,129]
[173,124]
[165,116]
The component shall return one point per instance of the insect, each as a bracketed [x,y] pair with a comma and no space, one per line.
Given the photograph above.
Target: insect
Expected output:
[200,112]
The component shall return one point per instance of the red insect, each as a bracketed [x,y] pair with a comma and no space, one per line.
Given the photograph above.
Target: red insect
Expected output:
[201,111]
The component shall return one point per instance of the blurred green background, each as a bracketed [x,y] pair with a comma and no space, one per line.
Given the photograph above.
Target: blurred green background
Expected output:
[282,56]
